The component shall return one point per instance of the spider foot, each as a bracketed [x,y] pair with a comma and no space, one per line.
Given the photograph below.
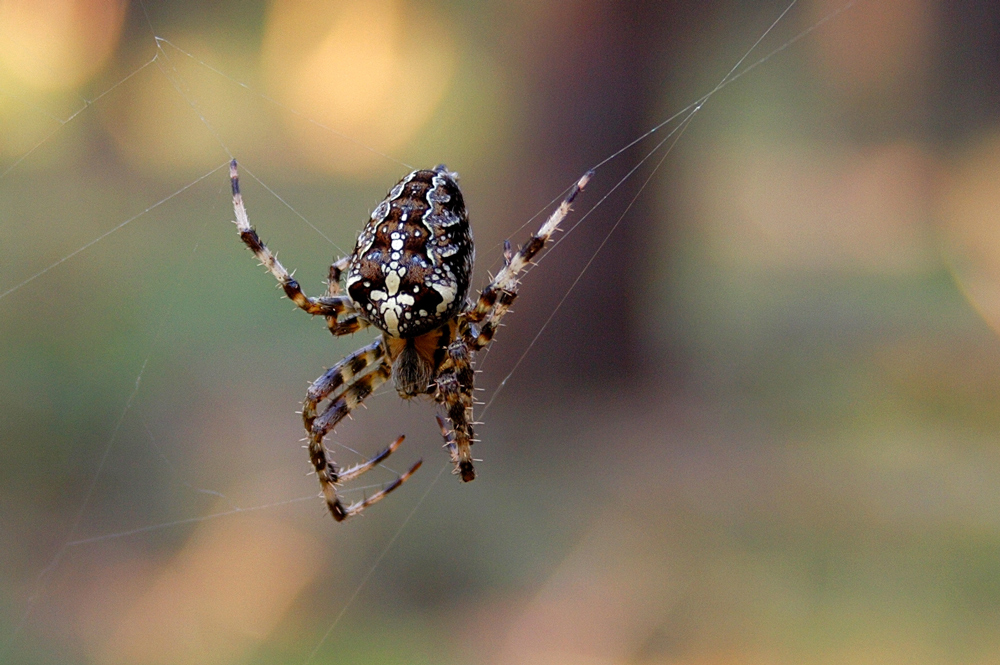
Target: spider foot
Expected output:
[340,513]
[463,467]
[356,470]
[330,477]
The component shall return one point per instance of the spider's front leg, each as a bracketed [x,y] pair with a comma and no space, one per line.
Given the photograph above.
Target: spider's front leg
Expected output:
[476,326]
[483,319]
[348,372]
[337,269]
[454,388]
[332,305]
[349,324]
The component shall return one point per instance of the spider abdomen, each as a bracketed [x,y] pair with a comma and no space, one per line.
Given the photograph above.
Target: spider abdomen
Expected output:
[410,270]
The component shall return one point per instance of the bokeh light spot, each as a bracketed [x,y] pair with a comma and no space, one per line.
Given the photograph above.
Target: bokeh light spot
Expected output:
[177,117]
[815,206]
[374,72]
[217,598]
[58,44]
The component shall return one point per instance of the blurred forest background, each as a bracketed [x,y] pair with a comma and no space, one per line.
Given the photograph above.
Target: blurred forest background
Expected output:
[762,428]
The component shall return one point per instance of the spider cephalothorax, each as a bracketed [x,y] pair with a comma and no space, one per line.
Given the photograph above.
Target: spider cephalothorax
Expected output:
[409,277]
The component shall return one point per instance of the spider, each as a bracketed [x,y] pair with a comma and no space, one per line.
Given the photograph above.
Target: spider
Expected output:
[409,277]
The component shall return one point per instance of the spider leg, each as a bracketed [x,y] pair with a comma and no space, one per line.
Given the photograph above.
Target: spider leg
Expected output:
[329,305]
[497,297]
[449,440]
[455,383]
[358,506]
[454,389]
[352,323]
[345,326]
[348,372]
[333,278]
[340,374]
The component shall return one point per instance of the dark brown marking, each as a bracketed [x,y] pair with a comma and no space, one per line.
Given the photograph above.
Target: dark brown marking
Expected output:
[413,257]
[358,364]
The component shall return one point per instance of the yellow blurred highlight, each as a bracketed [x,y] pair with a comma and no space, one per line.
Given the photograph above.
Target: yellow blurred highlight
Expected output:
[154,127]
[970,218]
[22,127]
[217,598]
[58,44]
[373,71]
[167,126]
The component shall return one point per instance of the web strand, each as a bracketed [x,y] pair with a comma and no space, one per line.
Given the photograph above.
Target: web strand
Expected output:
[691,109]
[41,582]
[63,122]
[284,107]
[111,231]
[694,106]
[375,565]
[288,205]
[676,133]
[176,81]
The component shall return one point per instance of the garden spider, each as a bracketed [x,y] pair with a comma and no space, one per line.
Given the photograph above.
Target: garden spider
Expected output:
[409,277]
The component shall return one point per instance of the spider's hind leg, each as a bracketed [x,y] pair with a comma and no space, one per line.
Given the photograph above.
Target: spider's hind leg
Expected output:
[348,373]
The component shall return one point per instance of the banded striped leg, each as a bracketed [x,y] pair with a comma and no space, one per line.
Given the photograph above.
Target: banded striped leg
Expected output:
[330,306]
[454,389]
[448,436]
[340,374]
[357,389]
[349,324]
[496,298]
[337,268]
[346,326]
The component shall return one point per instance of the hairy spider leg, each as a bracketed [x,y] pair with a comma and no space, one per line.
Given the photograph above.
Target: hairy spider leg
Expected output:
[447,435]
[497,297]
[454,389]
[357,389]
[350,324]
[337,268]
[329,306]
[455,384]
[346,372]
[345,326]
[340,374]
